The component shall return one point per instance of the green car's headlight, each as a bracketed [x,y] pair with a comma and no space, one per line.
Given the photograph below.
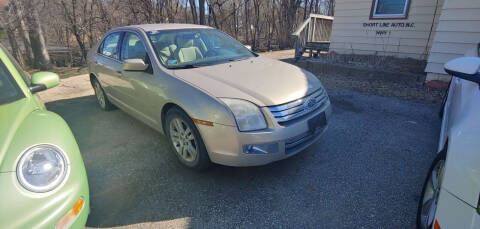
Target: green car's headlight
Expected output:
[42,168]
[248,115]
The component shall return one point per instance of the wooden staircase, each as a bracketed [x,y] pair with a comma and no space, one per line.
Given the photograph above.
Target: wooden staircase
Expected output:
[313,35]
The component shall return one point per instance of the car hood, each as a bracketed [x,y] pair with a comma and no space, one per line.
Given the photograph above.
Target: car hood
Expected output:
[11,117]
[260,80]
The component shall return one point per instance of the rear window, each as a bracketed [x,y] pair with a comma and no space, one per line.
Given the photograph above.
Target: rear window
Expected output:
[9,90]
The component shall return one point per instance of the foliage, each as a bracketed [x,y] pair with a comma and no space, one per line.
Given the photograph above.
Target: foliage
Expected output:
[76,25]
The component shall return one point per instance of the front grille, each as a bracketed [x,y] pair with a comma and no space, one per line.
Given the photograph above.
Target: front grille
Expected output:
[292,143]
[290,111]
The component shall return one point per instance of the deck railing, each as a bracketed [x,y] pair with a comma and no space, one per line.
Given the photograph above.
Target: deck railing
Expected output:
[313,34]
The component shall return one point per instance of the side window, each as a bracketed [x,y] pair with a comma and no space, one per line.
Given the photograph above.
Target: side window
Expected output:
[390,9]
[132,47]
[110,45]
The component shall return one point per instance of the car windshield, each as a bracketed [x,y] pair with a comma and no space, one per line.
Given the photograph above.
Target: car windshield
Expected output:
[189,48]
[9,90]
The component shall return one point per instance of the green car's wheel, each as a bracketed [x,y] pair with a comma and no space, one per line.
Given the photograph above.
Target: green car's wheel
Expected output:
[185,140]
[102,98]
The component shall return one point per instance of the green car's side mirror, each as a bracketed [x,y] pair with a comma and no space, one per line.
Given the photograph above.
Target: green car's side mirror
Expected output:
[43,80]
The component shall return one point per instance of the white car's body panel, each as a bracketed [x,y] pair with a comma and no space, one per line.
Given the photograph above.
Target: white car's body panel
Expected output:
[460,134]
[453,213]
[462,128]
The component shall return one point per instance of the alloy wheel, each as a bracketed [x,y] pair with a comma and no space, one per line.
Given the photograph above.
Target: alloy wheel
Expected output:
[183,140]
[99,94]
[430,196]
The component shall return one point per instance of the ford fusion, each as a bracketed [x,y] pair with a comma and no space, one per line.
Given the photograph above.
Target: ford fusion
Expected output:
[214,99]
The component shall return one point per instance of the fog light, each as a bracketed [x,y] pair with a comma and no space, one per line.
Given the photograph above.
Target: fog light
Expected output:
[67,220]
[261,148]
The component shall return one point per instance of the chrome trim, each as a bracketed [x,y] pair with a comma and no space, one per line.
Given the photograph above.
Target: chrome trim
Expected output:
[295,103]
[295,109]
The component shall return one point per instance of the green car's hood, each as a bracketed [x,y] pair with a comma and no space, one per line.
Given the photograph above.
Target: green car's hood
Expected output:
[11,117]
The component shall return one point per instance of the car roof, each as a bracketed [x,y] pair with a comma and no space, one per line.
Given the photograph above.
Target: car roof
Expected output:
[169,26]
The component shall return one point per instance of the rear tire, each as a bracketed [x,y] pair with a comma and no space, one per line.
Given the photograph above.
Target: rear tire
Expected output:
[102,98]
[185,140]
[427,205]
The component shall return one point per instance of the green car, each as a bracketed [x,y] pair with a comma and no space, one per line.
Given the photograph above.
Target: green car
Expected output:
[43,183]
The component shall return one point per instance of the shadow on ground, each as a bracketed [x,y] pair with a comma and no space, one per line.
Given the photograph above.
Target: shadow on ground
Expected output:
[366,171]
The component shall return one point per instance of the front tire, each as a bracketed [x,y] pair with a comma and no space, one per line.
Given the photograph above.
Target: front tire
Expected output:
[185,140]
[427,205]
[102,98]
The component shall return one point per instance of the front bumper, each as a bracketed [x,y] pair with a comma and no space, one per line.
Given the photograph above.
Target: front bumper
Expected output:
[454,213]
[20,208]
[225,144]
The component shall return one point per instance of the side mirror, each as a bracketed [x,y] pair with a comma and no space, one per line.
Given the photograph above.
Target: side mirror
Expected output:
[43,81]
[465,68]
[134,65]
[249,47]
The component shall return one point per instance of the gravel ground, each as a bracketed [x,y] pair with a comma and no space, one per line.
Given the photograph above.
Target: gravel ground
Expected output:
[366,172]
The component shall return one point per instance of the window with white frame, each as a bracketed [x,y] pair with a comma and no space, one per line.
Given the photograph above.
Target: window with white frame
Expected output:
[390,9]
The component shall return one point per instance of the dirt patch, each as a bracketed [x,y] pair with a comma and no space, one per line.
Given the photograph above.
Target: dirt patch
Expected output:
[72,87]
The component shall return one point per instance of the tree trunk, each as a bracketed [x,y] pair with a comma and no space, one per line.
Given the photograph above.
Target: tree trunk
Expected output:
[235,20]
[201,7]
[104,15]
[18,15]
[193,8]
[10,29]
[247,26]
[71,18]
[305,4]
[257,4]
[331,7]
[214,16]
[37,40]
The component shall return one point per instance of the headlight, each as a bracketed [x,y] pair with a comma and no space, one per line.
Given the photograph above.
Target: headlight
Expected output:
[42,168]
[248,115]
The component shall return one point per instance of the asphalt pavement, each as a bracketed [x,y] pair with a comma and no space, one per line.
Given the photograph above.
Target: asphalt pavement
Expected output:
[366,171]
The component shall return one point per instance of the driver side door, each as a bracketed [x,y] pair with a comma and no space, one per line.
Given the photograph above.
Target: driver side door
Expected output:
[143,85]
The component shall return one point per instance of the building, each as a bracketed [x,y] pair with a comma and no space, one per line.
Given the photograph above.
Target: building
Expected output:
[433,31]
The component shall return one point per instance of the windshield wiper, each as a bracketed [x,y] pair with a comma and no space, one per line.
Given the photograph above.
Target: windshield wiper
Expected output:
[238,59]
[184,66]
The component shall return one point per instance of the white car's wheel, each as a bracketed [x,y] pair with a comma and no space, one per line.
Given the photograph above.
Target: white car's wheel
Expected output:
[427,206]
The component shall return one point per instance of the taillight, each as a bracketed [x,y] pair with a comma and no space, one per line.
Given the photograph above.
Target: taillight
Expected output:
[436,225]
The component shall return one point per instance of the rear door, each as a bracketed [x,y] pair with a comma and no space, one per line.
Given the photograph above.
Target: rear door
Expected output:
[108,65]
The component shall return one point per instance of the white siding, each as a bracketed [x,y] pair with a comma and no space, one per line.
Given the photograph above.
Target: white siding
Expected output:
[458,31]
[350,36]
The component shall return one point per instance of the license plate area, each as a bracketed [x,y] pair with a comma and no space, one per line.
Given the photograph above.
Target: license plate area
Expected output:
[317,123]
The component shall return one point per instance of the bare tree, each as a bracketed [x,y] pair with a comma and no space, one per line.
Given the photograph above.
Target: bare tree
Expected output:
[37,40]
[71,17]
[201,7]
[10,29]
[78,24]
[193,8]
[17,13]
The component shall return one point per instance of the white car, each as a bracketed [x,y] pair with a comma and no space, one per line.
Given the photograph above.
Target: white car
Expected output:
[450,196]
